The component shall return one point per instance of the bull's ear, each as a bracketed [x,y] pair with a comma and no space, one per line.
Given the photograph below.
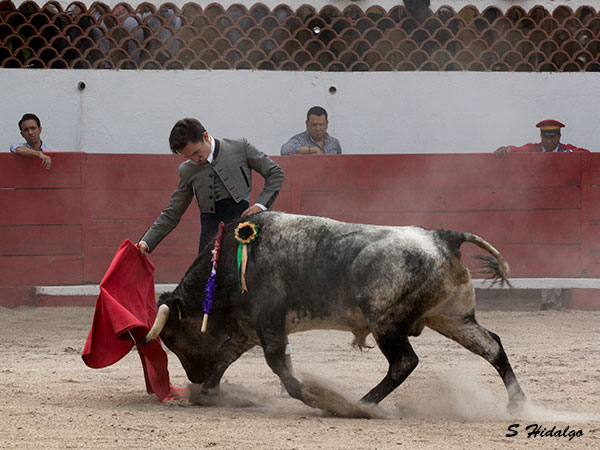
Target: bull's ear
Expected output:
[173,302]
[177,308]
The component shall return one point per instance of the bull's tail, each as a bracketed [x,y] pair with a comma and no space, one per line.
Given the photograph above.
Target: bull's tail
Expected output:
[496,267]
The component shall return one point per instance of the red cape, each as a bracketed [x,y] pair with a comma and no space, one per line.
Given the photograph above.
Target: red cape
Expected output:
[125,312]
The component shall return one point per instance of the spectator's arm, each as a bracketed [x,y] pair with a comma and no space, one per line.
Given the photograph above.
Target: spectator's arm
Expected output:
[26,151]
[501,152]
[338,147]
[296,145]
[308,150]
[289,148]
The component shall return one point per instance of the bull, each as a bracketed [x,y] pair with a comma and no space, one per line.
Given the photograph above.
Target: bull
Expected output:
[308,273]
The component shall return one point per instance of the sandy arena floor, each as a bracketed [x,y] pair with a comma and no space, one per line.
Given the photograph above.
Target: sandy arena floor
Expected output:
[453,400]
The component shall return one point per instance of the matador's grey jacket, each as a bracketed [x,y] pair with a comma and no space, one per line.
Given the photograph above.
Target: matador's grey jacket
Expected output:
[233,165]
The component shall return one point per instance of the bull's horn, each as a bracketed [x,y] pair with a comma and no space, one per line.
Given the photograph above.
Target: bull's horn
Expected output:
[162,315]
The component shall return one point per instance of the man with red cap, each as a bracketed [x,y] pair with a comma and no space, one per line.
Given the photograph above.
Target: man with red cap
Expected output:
[550,134]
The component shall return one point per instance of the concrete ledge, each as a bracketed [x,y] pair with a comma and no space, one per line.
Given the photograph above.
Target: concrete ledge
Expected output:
[89,289]
[81,295]
[76,295]
[65,300]
[581,293]
[584,293]
[478,283]
[541,283]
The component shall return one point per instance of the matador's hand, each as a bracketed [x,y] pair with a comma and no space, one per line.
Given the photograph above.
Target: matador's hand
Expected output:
[252,210]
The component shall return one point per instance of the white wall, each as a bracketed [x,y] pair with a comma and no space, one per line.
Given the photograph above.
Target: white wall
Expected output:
[394,112]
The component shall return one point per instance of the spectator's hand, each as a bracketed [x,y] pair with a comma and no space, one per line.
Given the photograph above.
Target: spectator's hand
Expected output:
[46,160]
[142,246]
[252,210]
[501,152]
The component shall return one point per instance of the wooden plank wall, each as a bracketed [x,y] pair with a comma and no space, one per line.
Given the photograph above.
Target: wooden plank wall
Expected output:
[63,226]
[40,221]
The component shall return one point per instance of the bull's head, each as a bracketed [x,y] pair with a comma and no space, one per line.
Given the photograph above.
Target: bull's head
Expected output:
[180,330]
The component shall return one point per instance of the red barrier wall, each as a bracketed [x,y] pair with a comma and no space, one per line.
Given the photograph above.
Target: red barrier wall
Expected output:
[63,226]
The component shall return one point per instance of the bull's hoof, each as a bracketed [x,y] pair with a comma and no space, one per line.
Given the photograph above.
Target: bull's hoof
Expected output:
[230,397]
[319,395]
[516,405]
[203,397]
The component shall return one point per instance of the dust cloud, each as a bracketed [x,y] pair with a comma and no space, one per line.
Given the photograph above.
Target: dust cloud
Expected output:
[458,395]
[454,395]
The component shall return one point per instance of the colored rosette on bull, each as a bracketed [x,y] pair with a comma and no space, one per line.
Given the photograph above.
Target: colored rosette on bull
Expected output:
[245,233]
[211,284]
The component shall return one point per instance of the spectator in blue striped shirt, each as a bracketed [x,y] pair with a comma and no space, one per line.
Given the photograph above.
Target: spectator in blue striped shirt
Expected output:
[315,140]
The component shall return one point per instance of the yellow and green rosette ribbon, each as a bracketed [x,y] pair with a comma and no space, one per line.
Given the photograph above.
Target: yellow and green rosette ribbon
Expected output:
[245,233]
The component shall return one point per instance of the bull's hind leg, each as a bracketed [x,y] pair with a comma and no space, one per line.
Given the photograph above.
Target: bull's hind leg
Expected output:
[468,333]
[402,361]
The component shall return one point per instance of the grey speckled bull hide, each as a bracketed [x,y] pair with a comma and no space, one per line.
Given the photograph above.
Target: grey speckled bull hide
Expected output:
[315,273]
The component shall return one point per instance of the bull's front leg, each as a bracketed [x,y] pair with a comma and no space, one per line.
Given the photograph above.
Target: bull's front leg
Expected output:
[230,351]
[271,333]
[275,357]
